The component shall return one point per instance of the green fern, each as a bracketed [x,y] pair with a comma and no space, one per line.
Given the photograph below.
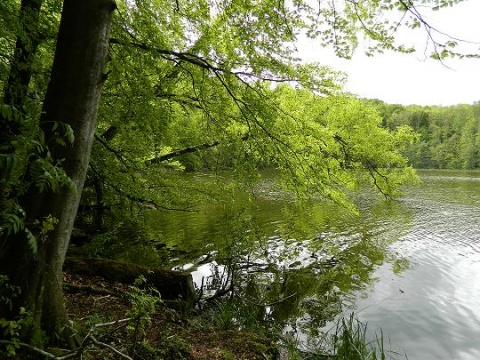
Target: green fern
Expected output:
[32,241]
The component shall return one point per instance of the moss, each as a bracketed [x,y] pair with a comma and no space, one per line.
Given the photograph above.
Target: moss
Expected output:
[172,285]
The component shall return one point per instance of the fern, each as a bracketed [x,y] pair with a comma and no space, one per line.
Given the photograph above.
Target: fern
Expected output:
[7,162]
[7,112]
[32,241]
[12,223]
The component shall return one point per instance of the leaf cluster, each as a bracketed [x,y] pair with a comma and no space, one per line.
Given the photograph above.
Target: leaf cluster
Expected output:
[202,84]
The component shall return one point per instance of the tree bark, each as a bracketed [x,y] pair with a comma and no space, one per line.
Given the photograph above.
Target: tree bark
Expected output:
[72,98]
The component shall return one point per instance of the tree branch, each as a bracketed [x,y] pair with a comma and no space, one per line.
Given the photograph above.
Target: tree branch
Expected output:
[145,202]
[117,153]
[110,133]
[187,150]
[372,169]
[32,348]
[111,348]
[199,61]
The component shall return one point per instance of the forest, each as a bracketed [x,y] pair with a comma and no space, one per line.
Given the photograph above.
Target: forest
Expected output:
[448,135]
[106,104]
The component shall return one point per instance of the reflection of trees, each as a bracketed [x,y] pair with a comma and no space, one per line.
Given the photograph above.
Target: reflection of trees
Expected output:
[315,291]
[306,292]
[306,280]
[299,267]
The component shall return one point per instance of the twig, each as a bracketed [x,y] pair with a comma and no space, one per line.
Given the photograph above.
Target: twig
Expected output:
[91,290]
[32,348]
[111,348]
[117,153]
[272,303]
[116,322]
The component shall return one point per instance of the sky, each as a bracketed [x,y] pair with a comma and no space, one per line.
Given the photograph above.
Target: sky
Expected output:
[412,78]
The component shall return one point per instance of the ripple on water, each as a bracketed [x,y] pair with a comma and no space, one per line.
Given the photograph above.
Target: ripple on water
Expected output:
[432,309]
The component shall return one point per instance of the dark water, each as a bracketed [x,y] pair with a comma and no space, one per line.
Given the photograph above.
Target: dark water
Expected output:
[410,267]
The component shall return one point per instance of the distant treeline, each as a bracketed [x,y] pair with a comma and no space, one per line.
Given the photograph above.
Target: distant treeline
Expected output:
[449,135]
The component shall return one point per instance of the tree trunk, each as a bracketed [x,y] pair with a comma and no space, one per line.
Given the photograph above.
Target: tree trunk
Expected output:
[72,98]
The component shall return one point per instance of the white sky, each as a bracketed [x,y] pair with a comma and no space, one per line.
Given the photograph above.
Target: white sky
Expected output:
[410,78]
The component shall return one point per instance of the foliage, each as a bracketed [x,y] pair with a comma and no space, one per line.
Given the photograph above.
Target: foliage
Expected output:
[200,74]
[25,161]
[208,83]
[144,301]
[10,329]
[449,136]
[197,84]
[235,314]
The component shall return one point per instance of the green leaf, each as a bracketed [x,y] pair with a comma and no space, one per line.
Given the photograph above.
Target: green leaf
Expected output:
[69,134]
[32,241]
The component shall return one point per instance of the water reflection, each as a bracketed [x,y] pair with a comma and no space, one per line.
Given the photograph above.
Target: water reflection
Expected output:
[409,267]
[437,314]
[296,264]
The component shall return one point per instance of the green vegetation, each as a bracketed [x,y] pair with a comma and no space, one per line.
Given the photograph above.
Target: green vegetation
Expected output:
[104,103]
[350,341]
[449,135]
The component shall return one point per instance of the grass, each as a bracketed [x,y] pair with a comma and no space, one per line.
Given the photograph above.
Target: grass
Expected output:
[349,339]
[350,342]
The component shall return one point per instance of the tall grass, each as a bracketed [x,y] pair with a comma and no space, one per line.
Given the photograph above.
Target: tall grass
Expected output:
[347,340]
[350,342]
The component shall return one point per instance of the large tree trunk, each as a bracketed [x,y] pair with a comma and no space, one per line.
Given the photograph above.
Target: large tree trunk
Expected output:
[72,97]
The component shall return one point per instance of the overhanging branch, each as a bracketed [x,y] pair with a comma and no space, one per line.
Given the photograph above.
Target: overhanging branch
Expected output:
[187,150]
[200,61]
[145,202]
[117,153]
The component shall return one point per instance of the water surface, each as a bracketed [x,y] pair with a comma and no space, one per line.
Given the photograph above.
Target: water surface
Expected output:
[410,267]
[432,309]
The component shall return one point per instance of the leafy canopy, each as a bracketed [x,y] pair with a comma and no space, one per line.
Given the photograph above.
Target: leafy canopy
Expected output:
[196,84]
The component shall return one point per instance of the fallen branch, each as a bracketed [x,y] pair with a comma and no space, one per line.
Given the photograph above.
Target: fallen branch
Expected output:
[72,288]
[32,348]
[116,322]
[172,285]
[77,353]
[111,348]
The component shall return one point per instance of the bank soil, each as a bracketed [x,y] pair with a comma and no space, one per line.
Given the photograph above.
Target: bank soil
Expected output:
[171,333]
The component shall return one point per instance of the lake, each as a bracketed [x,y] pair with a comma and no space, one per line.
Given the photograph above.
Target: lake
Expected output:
[432,309]
[409,267]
